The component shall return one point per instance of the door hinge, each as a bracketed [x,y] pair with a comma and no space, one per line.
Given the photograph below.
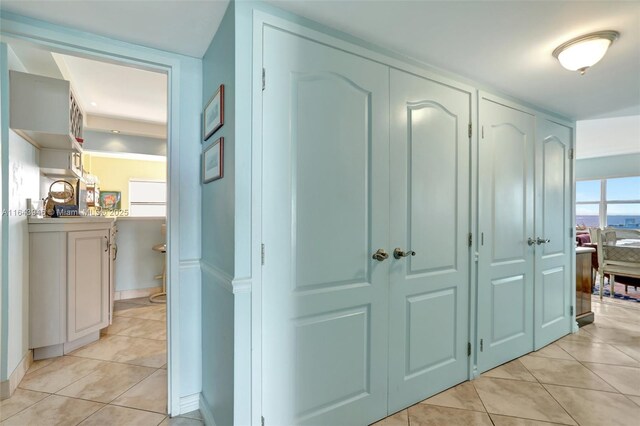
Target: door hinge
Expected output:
[264,84]
[482,238]
[570,232]
[469,349]
[470,239]
[571,154]
[262,254]
[262,421]
[571,310]
[482,132]
[470,127]
[481,345]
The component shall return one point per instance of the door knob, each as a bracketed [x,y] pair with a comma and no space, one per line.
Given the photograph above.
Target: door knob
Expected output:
[531,241]
[380,255]
[542,241]
[398,253]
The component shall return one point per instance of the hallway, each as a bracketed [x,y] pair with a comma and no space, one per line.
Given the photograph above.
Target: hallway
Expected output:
[120,379]
[588,378]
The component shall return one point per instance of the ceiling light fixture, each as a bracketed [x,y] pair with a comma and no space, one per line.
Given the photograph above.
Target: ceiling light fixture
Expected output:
[115,131]
[95,104]
[583,52]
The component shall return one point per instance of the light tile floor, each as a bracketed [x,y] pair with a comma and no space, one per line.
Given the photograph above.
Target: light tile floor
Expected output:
[588,378]
[119,380]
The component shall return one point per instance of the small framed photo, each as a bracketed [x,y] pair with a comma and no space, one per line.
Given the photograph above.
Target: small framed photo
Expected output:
[213,161]
[110,200]
[213,114]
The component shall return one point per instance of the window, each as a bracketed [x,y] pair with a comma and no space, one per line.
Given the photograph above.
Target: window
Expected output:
[147,198]
[609,202]
[623,202]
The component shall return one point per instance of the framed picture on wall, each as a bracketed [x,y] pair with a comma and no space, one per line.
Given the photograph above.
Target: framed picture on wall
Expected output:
[110,200]
[213,161]
[213,114]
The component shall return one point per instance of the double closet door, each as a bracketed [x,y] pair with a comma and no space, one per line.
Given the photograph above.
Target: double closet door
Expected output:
[525,246]
[360,162]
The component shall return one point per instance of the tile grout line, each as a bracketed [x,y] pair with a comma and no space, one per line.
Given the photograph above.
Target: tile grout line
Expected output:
[29,406]
[561,406]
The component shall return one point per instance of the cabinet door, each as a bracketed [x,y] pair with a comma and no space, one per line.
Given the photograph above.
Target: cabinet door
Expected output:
[88,282]
[325,212]
[553,222]
[429,292]
[505,219]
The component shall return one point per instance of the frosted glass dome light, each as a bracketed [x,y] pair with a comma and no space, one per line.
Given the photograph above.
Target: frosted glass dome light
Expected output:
[584,51]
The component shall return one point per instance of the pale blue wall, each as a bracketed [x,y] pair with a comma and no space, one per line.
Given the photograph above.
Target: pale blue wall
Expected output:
[608,167]
[218,207]
[109,142]
[137,263]
[4,151]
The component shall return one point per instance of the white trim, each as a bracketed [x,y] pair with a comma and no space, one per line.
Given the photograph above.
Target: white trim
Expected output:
[207,414]
[137,292]
[189,263]
[9,386]
[189,403]
[221,278]
[241,286]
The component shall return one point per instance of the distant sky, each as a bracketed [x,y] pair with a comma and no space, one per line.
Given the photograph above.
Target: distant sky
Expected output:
[617,189]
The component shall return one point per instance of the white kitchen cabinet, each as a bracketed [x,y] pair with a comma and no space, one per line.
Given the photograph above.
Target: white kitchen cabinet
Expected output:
[61,163]
[71,282]
[87,282]
[45,111]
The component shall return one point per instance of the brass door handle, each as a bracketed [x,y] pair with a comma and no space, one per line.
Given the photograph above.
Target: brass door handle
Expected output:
[380,255]
[398,253]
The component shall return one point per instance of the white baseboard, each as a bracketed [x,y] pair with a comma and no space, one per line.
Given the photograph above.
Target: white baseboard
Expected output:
[138,292]
[205,410]
[189,403]
[9,386]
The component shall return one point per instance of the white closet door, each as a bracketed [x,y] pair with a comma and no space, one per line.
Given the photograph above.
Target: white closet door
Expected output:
[325,212]
[429,296]
[505,217]
[553,288]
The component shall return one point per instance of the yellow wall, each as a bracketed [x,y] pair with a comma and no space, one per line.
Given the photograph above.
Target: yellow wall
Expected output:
[114,173]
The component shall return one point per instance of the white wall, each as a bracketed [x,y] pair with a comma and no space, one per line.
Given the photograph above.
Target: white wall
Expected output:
[608,136]
[608,148]
[24,182]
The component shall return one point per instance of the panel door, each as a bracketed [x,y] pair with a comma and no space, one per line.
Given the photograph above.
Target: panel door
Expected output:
[505,218]
[430,177]
[325,212]
[88,282]
[553,289]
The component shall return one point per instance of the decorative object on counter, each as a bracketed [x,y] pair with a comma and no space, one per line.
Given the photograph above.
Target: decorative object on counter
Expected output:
[91,195]
[110,200]
[213,114]
[213,161]
[61,196]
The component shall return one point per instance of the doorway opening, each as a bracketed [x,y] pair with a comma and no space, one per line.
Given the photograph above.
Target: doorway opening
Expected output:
[89,236]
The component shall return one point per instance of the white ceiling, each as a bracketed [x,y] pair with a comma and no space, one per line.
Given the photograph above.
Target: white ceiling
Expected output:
[502,44]
[112,90]
[180,26]
[608,136]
